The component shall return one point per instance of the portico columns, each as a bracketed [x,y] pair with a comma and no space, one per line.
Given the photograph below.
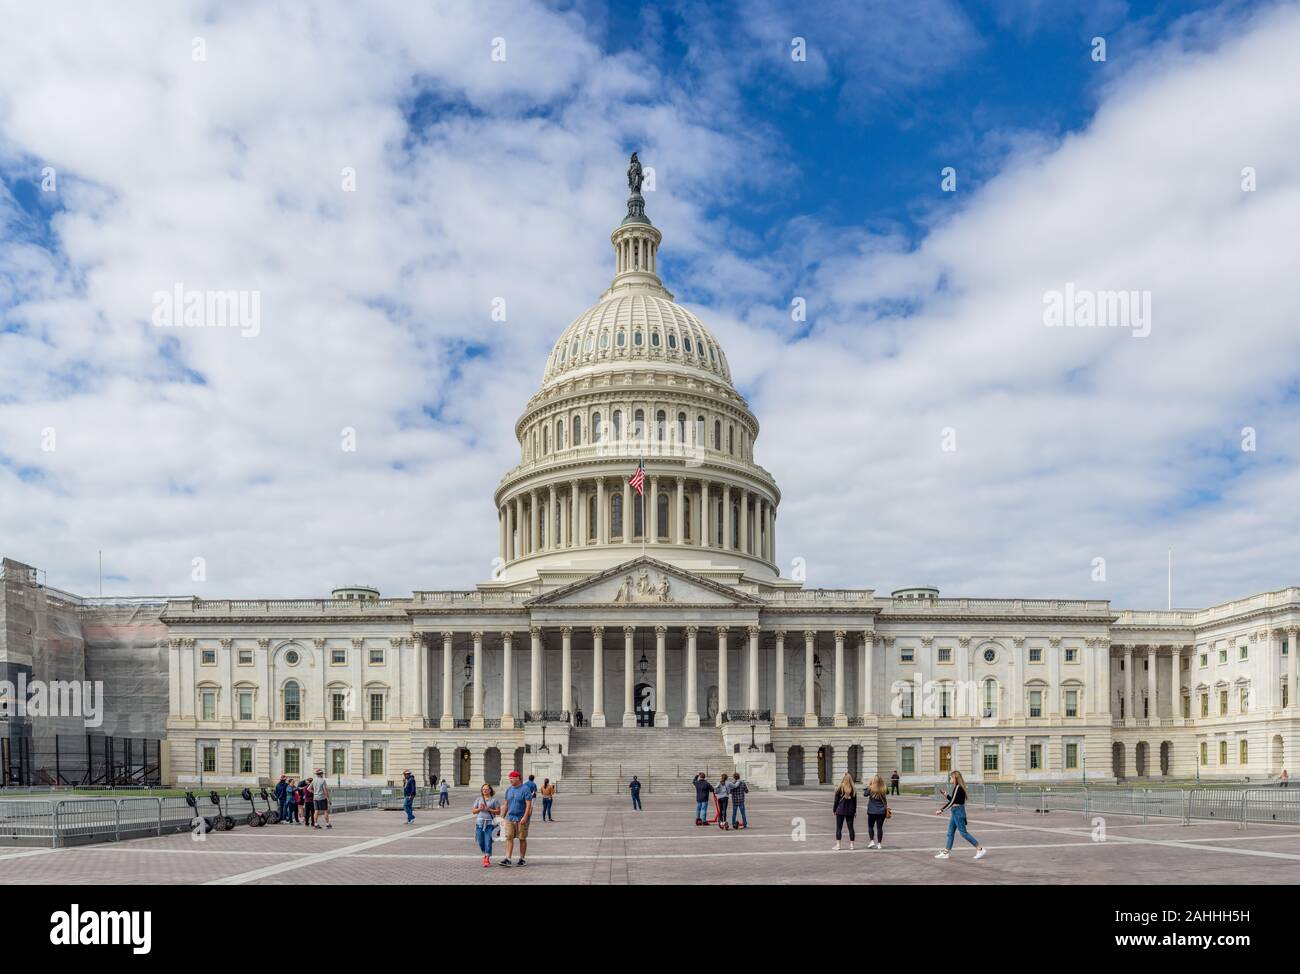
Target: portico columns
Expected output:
[1175,678]
[566,671]
[534,522]
[841,717]
[779,718]
[550,534]
[706,510]
[1130,712]
[448,720]
[743,541]
[1153,708]
[602,517]
[598,676]
[535,670]
[629,715]
[476,718]
[868,663]
[692,717]
[722,672]
[1291,668]
[809,679]
[507,680]
[661,678]
[753,667]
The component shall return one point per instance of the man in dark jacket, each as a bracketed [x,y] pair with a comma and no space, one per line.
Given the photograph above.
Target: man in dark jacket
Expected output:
[408,795]
[281,799]
[702,791]
[893,783]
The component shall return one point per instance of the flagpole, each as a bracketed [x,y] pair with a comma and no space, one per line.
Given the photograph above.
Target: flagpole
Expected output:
[645,510]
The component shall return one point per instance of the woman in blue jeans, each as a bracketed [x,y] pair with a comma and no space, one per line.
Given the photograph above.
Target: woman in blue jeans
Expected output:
[486,809]
[957,822]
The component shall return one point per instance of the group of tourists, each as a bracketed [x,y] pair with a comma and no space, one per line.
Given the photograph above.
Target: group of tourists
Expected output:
[845,807]
[508,816]
[730,790]
[307,800]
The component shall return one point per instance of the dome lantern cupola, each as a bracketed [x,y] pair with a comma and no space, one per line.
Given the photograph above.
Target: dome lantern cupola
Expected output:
[636,244]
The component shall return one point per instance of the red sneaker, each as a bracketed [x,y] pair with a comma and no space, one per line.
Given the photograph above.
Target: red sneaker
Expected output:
[487,862]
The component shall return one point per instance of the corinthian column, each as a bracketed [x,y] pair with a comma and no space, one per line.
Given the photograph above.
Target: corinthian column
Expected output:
[535,670]
[448,718]
[507,680]
[868,652]
[598,676]
[841,716]
[779,717]
[809,678]
[661,677]
[629,715]
[1291,668]
[753,667]
[476,719]
[566,671]
[722,672]
[692,717]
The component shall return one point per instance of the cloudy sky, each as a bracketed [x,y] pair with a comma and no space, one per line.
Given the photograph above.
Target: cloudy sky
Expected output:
[381,174]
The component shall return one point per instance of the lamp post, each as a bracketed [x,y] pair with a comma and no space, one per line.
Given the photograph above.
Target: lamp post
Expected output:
[753,726]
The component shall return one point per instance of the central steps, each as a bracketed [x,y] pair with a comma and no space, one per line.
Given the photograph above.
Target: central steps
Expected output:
[601,760]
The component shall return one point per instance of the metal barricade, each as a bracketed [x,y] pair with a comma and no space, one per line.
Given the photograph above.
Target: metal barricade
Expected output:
[1218,803]
[84,819]
[27,821]
[1275,805]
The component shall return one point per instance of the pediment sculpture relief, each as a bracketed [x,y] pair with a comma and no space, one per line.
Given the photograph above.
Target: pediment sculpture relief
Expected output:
[643,590]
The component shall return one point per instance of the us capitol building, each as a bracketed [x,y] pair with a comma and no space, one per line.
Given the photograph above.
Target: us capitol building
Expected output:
[655,635]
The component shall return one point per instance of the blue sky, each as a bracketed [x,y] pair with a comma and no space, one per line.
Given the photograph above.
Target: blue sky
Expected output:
[478,179]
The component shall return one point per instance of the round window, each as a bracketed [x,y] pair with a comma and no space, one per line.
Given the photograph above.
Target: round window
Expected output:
[989,656]
[291,657]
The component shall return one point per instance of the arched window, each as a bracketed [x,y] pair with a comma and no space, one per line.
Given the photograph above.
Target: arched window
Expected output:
[731,440]
[717,519]
[588,344]
[672,340]
[654,339]
[604,339]
[616,516]
[541,529]
[717,435]
[636,338]
[292,701]
[990,708]
[699,431]
[577,431]
[618,425]
[638,425]
[661,422]
[559,434]
[621,339]
[595,427]
[546,440]
[661,516]
[681,427]
[686,343]
[686,515]
[591,518]
[559,532]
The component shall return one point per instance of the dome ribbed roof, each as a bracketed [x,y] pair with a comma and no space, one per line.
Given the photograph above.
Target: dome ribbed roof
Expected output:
[635,327]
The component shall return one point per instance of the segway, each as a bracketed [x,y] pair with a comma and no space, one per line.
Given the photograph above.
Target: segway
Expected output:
[255,818]
[208,823]
[272,813]
[219,822]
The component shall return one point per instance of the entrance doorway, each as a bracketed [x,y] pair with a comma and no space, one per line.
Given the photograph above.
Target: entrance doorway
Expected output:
[1117,759]
[1166,749]
[492,766]
[945,758]
[462,766]
[794,766]
[643,702]
[824,754]
[855,762]
[432,764]
[467,701]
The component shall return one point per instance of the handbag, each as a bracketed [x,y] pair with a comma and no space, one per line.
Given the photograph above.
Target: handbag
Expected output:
[889,812]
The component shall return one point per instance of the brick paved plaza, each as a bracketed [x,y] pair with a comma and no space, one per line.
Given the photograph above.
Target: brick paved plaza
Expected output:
[599,839]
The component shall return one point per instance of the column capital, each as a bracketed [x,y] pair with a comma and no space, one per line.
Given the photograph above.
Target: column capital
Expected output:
[566,631]
[598,631]
[723,630]
[810,634]
[629,631]
[447,635]
[357,643]
[753,630]
[869,639]
[840,634]
[964,642]
[1018,642]
[535,632]
[692,630]
[507,638]
[1054,642]
[661,630]
[478,636]
[1292,630]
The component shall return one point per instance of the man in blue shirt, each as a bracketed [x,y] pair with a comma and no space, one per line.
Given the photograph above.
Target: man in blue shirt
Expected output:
[408,795]
[519,809]
[531,785]
[635,787]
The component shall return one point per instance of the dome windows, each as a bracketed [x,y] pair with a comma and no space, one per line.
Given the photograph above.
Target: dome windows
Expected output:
[621,340]
[637,339]
[686,344]
[589,344]
[604,339]
[595,427]
[672,341]
[654,339]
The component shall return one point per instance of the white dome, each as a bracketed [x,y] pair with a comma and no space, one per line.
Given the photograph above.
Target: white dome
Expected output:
[635,327]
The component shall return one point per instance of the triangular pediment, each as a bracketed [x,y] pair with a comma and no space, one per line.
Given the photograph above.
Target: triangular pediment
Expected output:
[645,581]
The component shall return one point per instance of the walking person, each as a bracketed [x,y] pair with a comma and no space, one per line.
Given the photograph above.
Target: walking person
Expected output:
[702,790]
[531,785]
[721,793]
[877,812]
[893,782]
[737,792]
[281,791]
[519,809]
[292,799]
[548,800]
[634,787]
[444,794]
[322,799]
[957,822]
[308,804]
[1285,780]
[845,806]
[408,796]
[487,807]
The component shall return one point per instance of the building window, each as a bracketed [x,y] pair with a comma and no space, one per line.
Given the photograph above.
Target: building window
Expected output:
[559,434]
[638,515]
[1205,660]
[638,425]
[731,440]
[661,517]
[945,701]
[1035,703]
[618,424]
[907,759]
[717,435]
[686,517]
[661,425]
[208,699]
[991,758]
[1071,655]
[376,657]
[292,701]
[907,654]
[245,760]
[1286,695]
[338,705]
[1036,655]
[945,654]
[245,657]
[1072,703]
[1071,757]
[616,516]
[577,431]
[338,761]
[1205,754]
[905,701]
[1245,699]
[209,657]
[1223,702]
[1243,752]
[376,761]
[209,760]
[338,657]
[245,705]
[1223,752]
[1205,705]
[990,699]
[595,427]
[292,761]
[1035,757]
[1187,706]
[591,517]
[376,706]
[1223,656]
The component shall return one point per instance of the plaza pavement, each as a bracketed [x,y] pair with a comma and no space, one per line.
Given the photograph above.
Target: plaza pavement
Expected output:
[600,840]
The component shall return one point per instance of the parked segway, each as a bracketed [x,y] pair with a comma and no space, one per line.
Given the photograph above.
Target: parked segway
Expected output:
[219,822]
[208,823]
[272,813]
[255,819]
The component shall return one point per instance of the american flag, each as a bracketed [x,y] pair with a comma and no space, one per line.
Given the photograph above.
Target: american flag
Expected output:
[638,479]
